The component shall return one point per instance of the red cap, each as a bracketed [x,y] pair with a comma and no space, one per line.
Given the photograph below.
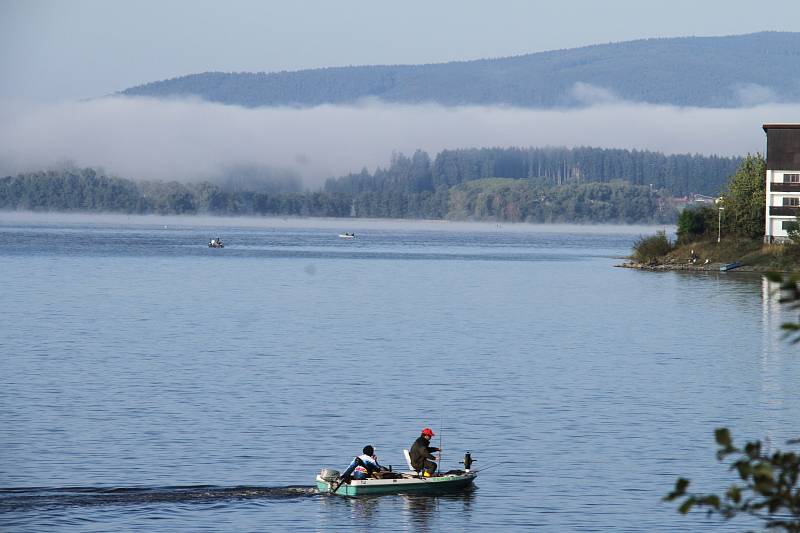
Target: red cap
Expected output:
[428,432]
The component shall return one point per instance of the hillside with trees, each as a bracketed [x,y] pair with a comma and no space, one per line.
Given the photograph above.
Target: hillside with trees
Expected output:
[729,71]
[677,174]
[585,185]
[500,199]
[86,190]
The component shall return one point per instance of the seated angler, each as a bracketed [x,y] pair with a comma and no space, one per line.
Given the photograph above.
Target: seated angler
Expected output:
[364,465]
[422,454]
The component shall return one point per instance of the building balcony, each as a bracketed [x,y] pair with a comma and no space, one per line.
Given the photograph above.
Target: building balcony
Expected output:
[784,210]
[784,187]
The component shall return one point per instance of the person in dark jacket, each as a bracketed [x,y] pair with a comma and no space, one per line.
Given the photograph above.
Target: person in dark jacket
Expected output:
[422,454]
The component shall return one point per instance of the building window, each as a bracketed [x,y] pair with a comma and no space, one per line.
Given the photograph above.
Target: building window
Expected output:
[788,225]
[790,201]
[791,178]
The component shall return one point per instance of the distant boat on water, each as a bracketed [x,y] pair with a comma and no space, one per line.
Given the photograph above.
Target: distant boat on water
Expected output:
[216,243]
[347,235]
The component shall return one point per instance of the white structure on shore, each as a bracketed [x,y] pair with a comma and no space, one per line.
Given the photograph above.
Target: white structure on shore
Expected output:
[783,180]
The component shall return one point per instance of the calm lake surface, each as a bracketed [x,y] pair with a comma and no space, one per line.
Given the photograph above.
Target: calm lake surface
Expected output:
[149,383]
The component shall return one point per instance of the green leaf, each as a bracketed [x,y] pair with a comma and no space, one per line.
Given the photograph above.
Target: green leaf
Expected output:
[763,470]
[753,449]
[723,437]
[712,500]
[744,469]
[678,491]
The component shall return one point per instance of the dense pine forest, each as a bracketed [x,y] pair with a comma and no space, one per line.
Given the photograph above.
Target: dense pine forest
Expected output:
[587,185]
[499,199]
[677,175]
[88,190]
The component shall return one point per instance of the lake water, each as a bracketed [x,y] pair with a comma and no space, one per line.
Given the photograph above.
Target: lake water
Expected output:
[149,383]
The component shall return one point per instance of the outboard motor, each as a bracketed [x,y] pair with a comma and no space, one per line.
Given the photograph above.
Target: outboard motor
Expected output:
[330,475]
[467,462]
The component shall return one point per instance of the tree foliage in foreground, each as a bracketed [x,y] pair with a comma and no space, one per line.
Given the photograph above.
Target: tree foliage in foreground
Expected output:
[789,296]
[768,488]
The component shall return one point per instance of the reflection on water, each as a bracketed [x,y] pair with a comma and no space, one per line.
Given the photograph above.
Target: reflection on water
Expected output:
[421,509]
[413,512]
[773,356]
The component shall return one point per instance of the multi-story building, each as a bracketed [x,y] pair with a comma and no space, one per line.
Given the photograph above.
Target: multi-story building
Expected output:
[783,180]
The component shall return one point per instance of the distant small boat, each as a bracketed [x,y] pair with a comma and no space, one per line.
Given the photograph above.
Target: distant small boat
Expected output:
[216,243]
[347,235]
[730,266]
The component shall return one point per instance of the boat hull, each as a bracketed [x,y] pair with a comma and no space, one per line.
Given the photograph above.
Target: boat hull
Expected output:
[406,484]
[730,266]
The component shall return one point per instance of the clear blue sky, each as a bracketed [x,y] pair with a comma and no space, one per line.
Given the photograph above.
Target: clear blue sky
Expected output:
[53,50]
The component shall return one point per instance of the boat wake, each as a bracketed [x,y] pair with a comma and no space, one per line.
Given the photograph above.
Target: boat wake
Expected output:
[22,499]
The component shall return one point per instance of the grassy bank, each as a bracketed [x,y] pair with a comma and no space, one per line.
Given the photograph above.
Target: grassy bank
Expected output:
[705,255]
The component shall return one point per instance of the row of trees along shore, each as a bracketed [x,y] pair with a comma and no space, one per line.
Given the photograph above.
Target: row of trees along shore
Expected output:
[589,185]
[739,216]
[499,199]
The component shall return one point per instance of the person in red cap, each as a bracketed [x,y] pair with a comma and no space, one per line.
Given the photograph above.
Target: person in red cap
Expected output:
[422,454]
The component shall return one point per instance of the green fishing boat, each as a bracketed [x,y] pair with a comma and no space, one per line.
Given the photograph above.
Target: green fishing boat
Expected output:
[403,483]
[328,482]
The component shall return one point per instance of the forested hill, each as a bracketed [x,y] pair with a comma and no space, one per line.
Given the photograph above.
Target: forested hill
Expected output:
[500,199]
[505,184]
[727,71]
[677,174]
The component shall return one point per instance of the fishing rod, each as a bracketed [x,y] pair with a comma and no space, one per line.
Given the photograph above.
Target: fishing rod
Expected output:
[487,467]
[441,430]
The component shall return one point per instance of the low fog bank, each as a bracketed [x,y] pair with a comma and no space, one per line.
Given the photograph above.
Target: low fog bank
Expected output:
[357,225]
[189,139]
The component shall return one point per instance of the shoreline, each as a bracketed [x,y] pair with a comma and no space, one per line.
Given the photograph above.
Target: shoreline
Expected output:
[689,267]
[751,255]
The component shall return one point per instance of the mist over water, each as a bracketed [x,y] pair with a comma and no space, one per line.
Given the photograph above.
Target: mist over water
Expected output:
[189,139]
[221,223]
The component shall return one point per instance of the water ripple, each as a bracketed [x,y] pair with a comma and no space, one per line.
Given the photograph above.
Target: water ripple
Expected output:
[26,499]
